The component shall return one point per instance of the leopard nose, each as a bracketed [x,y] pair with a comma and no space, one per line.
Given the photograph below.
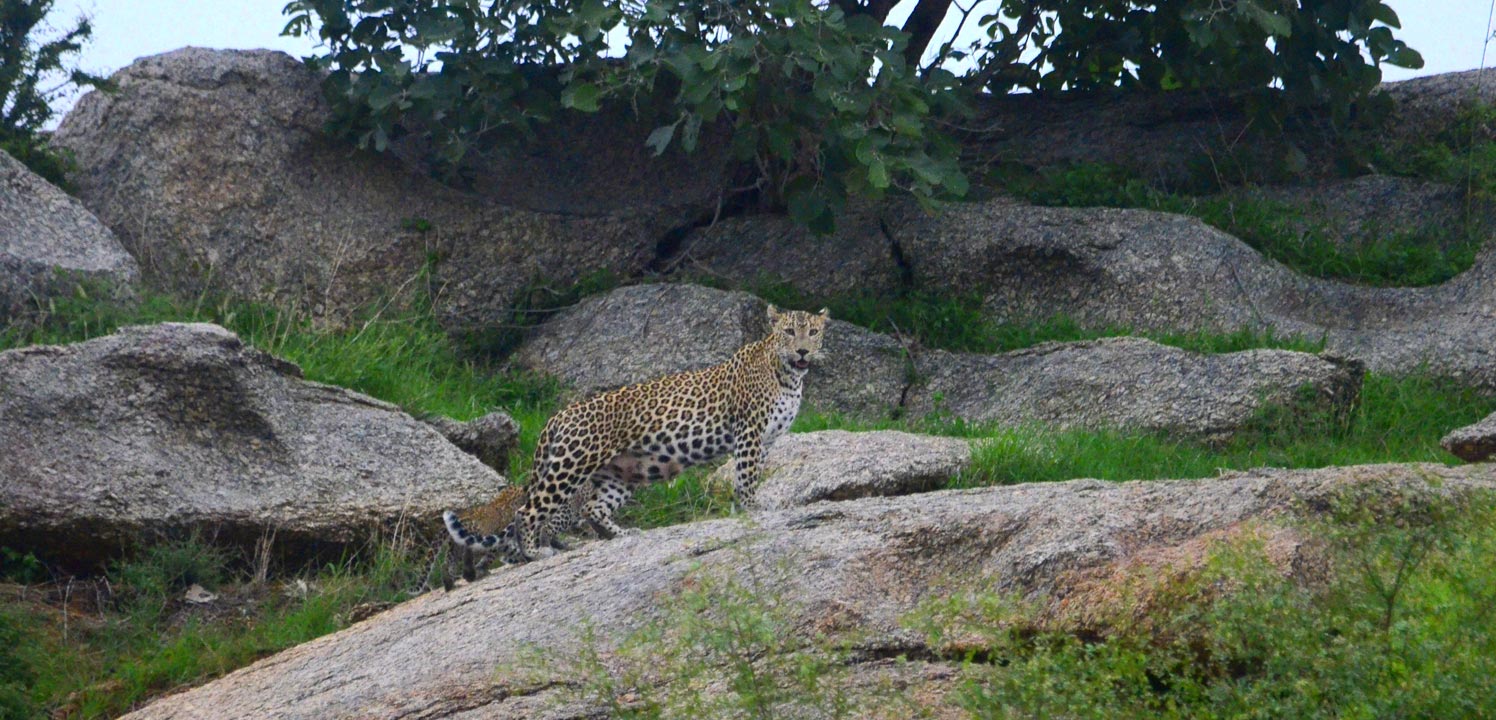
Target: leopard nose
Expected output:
[803,352]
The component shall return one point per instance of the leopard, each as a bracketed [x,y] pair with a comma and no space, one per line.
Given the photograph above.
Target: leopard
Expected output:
[609,445]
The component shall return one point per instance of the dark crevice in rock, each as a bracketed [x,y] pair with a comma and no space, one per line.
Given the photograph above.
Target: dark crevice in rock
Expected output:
[920,652]
[896,251]
[671,248]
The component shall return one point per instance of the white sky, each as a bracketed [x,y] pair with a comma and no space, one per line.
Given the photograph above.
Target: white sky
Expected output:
[1449,33]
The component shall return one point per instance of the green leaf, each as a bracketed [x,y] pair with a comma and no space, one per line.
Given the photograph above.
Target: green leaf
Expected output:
[581,96]
[660,138]
[1405,57]
[877,174]
[1384,14]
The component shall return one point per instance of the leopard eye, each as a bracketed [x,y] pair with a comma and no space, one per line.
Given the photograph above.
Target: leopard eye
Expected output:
[814,332]
[789,331]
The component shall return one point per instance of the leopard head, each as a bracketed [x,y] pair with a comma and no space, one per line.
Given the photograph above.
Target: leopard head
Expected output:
[797,336]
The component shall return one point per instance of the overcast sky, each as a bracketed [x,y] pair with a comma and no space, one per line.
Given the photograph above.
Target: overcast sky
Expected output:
[1449,33]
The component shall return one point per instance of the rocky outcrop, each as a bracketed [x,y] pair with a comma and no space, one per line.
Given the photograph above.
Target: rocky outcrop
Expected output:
[1432,104]
[639,332]
[756,250]
[1132,383]
[1156,271]
[490,438]
[1355,212]
[160,429]
[50,243]
[212,167]
[831,465]
[1473,443]
[850,570]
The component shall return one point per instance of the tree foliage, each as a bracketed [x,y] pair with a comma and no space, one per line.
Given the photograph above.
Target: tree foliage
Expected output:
[819,99]
[34,72]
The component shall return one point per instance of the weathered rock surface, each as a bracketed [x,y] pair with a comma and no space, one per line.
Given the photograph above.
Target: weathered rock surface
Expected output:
[157,429]
[638,332]
[49,242]
[755,249]
[855,567]
[1370,208]
[1131,383]
[213,169]
[1473,443]
[643,331]
[1431,104]
[1156,271]
[489,438]
[805,468]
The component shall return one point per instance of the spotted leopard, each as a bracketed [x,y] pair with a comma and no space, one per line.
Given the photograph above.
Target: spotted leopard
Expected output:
[610,444]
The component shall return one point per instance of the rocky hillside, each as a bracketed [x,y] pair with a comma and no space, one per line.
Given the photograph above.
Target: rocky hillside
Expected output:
[227,366]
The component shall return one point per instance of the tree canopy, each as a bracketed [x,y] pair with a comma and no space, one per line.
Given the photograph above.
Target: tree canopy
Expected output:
[823,99]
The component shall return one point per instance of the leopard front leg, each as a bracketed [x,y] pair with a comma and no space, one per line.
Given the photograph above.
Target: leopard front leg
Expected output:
[747,468]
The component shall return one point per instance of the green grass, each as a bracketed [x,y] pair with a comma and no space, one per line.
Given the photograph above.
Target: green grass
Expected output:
[1276,229]
[1397,420]
[127,636]
[1401,626]
[957,322]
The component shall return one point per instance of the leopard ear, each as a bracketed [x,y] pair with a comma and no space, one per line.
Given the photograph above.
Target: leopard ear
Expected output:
[773,312]
[825,313]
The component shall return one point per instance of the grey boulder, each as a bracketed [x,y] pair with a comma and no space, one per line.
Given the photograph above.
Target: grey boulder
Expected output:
[853,571]
[162,429]
[1132,383]
[1473,443]
[835,465]
[1160,272]
[213,168]
[50,243]
[490,438]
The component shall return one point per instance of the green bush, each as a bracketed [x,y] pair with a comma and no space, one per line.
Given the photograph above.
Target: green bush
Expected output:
[819,101]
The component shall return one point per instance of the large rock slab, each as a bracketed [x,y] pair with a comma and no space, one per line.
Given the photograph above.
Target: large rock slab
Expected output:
[1473,443]
[857,567]
[643,331]
[834,465]
[1132,383]
[164,428]
[1155,271]
[212,167]
[49,243]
